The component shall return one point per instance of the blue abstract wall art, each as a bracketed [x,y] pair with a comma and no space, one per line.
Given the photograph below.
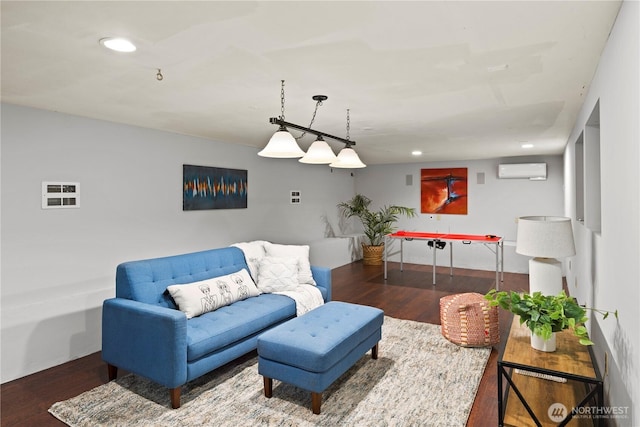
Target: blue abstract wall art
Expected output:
[205,187]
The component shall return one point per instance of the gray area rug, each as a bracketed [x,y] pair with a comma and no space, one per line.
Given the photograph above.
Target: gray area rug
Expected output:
[419,378]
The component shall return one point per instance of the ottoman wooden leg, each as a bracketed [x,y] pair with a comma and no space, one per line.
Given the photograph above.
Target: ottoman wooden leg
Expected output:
[316,401]
[268,387]
[374,351]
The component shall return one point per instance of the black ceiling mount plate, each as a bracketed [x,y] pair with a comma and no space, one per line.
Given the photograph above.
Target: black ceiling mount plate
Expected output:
[319,98]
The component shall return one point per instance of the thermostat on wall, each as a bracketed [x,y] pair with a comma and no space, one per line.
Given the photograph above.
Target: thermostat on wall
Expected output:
[60,195]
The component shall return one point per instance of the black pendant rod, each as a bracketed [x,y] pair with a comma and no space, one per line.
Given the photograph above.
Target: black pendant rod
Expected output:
[278,121]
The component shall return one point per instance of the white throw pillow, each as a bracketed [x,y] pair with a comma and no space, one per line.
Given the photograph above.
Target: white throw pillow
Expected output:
[301,252]
[253,253]
[277,274]
[201,297]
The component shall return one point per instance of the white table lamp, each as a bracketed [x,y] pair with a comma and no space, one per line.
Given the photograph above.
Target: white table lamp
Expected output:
[545,238]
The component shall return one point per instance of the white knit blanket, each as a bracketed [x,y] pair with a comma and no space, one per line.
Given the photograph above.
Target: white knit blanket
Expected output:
[307,297]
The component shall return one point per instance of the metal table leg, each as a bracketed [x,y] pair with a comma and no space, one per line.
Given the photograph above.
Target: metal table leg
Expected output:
[451,259]
[434,261]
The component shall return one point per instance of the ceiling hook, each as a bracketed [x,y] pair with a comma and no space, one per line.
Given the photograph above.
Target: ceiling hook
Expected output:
[159,75]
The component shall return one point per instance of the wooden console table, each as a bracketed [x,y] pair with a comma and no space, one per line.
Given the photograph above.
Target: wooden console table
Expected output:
[576,385]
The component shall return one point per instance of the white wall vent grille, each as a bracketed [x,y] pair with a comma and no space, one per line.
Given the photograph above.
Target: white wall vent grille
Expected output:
[60,195]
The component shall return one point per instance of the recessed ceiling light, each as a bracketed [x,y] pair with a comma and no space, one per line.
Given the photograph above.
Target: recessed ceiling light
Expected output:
[527,145]
[416,153]
[118,44]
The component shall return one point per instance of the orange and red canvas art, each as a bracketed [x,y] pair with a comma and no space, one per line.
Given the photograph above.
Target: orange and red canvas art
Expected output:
[443,191]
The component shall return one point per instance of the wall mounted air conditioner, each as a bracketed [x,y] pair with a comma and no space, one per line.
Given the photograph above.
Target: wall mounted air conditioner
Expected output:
[533,171]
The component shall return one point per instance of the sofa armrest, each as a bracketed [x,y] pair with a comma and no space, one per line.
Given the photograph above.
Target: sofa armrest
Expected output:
[322,277]
[145,339]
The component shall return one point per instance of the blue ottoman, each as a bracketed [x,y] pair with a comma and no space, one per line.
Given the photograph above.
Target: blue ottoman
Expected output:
[313,350]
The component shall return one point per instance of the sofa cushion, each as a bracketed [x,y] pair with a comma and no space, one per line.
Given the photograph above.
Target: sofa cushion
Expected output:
[207,295]
[277,274]
[300,252]
[223,327]
[253,252]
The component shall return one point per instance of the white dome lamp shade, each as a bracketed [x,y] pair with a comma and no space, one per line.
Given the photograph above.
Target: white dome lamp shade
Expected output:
[319,153]
[348,159]
[282,145]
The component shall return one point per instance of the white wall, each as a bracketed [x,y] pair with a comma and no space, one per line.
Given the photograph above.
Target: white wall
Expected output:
[606,269]
[59,265]
[493,207]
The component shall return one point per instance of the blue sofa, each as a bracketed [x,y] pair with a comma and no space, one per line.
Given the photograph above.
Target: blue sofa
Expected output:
[143,331]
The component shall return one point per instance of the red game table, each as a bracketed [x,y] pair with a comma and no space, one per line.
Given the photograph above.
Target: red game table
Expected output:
[488,240]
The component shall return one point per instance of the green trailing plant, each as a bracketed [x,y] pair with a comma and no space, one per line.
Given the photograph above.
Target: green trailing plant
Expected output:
[378,223]
[545,314]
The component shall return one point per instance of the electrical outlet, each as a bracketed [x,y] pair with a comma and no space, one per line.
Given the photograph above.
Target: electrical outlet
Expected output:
[606,364]
[437,217]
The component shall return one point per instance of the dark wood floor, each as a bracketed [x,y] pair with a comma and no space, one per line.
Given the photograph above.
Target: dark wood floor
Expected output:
[405,295]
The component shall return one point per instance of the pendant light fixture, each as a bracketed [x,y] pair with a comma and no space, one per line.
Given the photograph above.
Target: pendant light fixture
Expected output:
[282,144]
[347,157]
[319,153]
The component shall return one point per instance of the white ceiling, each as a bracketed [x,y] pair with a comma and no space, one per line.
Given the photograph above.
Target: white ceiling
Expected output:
[457,80]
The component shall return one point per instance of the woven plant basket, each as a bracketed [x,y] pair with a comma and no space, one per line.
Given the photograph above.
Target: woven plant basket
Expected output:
[468,320]
[372,255]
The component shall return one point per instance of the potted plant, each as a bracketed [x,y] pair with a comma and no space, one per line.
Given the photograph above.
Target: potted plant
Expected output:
[546,314]
[376,224]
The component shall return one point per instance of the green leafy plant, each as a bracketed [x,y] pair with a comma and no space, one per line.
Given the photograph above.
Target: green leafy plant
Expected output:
[378,223]
[545,314]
